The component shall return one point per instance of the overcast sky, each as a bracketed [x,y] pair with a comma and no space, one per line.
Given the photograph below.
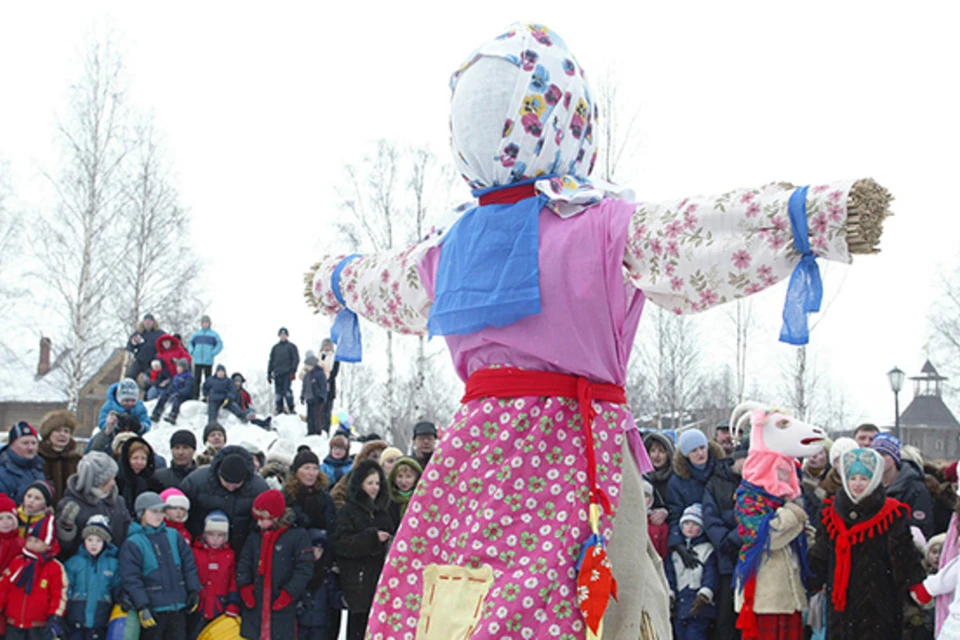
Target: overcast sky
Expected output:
[261,106]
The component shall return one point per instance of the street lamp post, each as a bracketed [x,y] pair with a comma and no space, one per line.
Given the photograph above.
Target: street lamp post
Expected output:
[896,383]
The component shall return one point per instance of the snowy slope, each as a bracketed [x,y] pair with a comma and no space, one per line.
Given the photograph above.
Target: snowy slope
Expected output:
[282,444]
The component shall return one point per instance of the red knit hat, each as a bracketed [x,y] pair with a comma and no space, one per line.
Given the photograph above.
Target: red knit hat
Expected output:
[272,502]
[45,529]
[7,505]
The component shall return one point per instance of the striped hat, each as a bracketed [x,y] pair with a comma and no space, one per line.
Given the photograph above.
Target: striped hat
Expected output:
[888,444]
[694,514]
[44,529]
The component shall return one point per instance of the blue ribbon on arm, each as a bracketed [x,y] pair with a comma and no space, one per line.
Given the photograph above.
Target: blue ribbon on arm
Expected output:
[805,291]
[345,332]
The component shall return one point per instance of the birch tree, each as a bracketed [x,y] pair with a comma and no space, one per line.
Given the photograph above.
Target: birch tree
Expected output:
[161,271]
[616,123]
[944,320]
[79,243]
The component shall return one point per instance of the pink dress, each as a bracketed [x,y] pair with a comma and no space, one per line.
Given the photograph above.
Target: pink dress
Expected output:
[507,485]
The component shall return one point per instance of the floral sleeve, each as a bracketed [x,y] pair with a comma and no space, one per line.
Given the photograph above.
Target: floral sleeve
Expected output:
[693,254]
[383,288]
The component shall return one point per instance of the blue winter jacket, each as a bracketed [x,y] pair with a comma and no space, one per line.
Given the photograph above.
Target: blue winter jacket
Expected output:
[719,515]
[217,390]
[686,583]
[94,587]
[204,346]
[685,488]
[182,385]
[17,474]
[157,568]
[335,469]
[138,410]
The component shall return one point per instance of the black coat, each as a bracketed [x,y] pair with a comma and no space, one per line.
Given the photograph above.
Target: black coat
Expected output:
[216,390]
[882,568]
[146,350]
[910,489]
[360,554]
[284,359]
[719,517]
[660,477]
[173,475]
[130,484]
[206,494]
[312,507]
[292,570]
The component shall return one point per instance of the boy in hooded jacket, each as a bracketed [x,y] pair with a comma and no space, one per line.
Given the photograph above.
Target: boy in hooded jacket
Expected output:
[94,575]
[220,391]
[33,589]
[158,572]
[275,565]
[179,391]
[692,588]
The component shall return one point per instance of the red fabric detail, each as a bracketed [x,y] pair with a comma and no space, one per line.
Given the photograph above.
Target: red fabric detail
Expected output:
[509,195]
[659,533]
[265,569]
[272,502]
[747,620]
[248,596]
[950,472]
[780,626]
[47,598]
[283,601]
[217,569]
[844,539]
[175,352]
[920,593]
[595,584]
[517,383]
[181,528]
[232,611]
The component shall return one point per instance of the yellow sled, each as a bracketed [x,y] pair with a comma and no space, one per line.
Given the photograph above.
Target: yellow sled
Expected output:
[222,628]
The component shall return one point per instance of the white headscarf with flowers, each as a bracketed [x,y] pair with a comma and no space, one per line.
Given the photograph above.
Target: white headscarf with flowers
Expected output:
[522,108]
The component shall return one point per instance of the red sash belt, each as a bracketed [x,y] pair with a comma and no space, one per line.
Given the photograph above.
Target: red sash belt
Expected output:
[517,383]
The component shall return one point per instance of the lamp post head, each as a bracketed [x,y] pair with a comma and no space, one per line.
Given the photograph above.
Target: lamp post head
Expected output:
[896,377]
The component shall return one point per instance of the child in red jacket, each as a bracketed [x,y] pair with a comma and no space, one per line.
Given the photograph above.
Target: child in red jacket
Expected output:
[217,567]
[33,589]
[658,532]
[176,510]
[11,543]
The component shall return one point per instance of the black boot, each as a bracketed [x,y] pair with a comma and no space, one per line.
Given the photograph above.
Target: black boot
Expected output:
[172,418]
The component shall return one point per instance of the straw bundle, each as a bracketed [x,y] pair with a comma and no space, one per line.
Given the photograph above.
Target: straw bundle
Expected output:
[867,206]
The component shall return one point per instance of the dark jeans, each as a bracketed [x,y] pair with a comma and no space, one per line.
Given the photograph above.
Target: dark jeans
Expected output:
[725,626]
[325,415]
[14,633]
[175,401]
[87,634]
[333,624]
[200,371]
[314,408]
[281,387]
[357,625]
[213,408]
[311,633]
[171,625]
[135,369]
[690,629]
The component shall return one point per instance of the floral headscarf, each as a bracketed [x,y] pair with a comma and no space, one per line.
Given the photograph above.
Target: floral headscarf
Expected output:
[547,129]
[865,462]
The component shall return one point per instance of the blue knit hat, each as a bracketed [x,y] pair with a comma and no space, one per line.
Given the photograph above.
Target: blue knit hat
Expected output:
[888,444]
[855,463]
[694,514]
[690,440]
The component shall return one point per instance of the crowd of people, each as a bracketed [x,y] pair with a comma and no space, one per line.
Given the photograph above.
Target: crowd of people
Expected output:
[219,530]
[900,509]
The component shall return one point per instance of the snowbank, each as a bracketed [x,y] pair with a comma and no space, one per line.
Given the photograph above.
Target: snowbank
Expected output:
[291,432]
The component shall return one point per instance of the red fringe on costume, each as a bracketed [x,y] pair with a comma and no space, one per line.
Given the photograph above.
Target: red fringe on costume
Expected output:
[845,538]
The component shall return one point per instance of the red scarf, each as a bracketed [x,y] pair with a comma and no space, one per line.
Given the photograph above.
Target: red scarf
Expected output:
[845,538]
[265,569]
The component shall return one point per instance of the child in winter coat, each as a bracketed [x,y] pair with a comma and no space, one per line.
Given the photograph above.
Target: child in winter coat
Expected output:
[159,379]
[658,532]
[158,572]
[920,619]
[217,566]
[176,510]
[219,391]
[321,598]
[692,588]
[204,345]
[169,350]
[38,501]
[864,555]
[33,589]
[363,535]
[11,544]
[94,575]
[275,565]
[403,479]
[314,393]
[179,391]
[246,402]
[337,463]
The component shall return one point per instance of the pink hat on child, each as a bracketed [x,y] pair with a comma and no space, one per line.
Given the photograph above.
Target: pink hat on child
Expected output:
[173,498]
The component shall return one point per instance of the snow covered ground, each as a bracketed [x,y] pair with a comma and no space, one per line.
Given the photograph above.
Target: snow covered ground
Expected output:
[291,432]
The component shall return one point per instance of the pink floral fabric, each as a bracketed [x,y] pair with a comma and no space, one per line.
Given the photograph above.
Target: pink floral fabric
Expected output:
[692,254]
[505,489]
